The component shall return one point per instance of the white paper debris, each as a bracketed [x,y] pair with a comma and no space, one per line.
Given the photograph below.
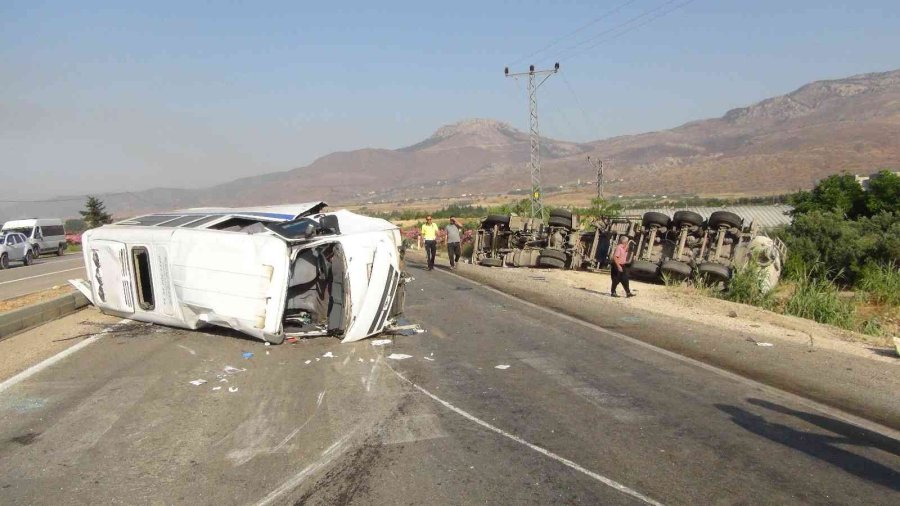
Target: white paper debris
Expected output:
[371,360]
[429,359]
[307,362]
[232,389]
[232,370]
[198,382]
[502,367]
[361,360]
[217,388]
[765,344]
[267,351]
[381,342]
[268,343]
[327,355]
[399,356]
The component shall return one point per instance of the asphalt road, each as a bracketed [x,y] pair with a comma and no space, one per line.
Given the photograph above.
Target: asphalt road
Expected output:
[46,272]
[580,416]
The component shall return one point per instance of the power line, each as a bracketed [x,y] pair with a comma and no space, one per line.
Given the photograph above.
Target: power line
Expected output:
[613,29]
[587,119]
[594,21]
[632,28]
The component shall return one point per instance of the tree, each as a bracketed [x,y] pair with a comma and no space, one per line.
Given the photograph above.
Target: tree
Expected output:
[94,213]
[603,207]
[884,193]
[838,193]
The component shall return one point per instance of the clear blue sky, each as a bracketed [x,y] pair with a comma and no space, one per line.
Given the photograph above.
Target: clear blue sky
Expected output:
[105,96]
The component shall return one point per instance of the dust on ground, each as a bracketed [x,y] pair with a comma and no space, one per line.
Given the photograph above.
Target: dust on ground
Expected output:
[35,298]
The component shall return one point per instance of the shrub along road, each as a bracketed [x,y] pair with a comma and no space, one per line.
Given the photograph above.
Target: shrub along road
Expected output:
[580,416]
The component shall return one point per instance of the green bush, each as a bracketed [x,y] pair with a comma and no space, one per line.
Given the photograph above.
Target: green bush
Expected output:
[881,282]
[817,298]
[842,246]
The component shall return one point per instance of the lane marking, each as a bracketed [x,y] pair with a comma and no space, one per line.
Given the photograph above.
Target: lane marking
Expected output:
[562,460]
[773,391]
[31,371]
[41,275]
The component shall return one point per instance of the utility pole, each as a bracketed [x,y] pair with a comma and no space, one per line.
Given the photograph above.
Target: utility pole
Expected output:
[599,166]
[537,202]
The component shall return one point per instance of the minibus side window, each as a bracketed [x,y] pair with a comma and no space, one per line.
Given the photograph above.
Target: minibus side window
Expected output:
[141,260]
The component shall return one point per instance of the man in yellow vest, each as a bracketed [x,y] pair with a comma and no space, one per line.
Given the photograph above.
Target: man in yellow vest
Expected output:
[429,233]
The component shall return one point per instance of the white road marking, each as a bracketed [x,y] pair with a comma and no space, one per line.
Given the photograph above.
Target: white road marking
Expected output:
[31,371]
[41,275]
[568,463]
[770,390]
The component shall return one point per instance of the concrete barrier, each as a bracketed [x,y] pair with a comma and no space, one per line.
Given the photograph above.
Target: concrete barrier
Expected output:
[17,320]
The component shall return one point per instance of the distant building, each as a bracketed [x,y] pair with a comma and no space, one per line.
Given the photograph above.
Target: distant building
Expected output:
[864,180]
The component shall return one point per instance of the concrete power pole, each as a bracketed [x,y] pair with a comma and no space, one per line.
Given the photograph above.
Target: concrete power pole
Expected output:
[599,166]
[537,202]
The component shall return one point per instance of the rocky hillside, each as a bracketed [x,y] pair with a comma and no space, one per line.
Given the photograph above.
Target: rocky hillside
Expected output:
[777,145]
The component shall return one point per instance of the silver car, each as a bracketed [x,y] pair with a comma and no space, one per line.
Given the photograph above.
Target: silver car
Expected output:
[14,247]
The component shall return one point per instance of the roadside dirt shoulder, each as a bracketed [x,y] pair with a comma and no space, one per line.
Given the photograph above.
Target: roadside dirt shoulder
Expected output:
[25,349]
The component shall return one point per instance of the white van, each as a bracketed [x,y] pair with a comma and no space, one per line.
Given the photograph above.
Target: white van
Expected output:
[45,235]
[269,272]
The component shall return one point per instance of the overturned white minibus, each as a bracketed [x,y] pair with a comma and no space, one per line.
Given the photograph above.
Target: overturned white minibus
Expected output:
[269,272]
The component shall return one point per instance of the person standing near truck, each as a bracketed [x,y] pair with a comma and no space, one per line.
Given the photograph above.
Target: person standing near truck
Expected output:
[454,232]
[618,270]
[429,234]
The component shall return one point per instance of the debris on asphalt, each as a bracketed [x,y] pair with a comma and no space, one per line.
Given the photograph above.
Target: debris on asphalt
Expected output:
[381,342]
[232,389]
[429,359]
[198,382]
[247,354]
[223,380]
[328,354]
[732,314]
[292,340]
[502,367]
[233,370]
[267,351]
[307,362]
[268,343]
[399,356]
[764,344]
[360,359]
[216,388]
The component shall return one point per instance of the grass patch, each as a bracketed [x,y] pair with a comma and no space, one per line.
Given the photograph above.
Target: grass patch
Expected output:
[881,282]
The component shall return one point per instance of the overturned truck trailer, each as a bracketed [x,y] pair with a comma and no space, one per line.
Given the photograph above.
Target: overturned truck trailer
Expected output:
[684,245]
[268,272]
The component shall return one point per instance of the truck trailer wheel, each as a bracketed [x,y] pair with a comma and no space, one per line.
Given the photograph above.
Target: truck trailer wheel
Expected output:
[560,221]
[714,272]
[687,218]
[562,213]
[719,218]
[551,262]
[491,262]
[654,218]
[495,219]
[675,269]
[644,269]
[554,253]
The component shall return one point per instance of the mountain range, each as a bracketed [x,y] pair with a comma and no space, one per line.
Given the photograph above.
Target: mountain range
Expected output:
[778,145]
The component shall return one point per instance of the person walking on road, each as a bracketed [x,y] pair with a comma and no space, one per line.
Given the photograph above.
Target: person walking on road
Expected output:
[618,271]
[429,233]
[454,232]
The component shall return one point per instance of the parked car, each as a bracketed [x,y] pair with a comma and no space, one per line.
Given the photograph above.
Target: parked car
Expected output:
[45,235]
[14,247]
[269,272]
